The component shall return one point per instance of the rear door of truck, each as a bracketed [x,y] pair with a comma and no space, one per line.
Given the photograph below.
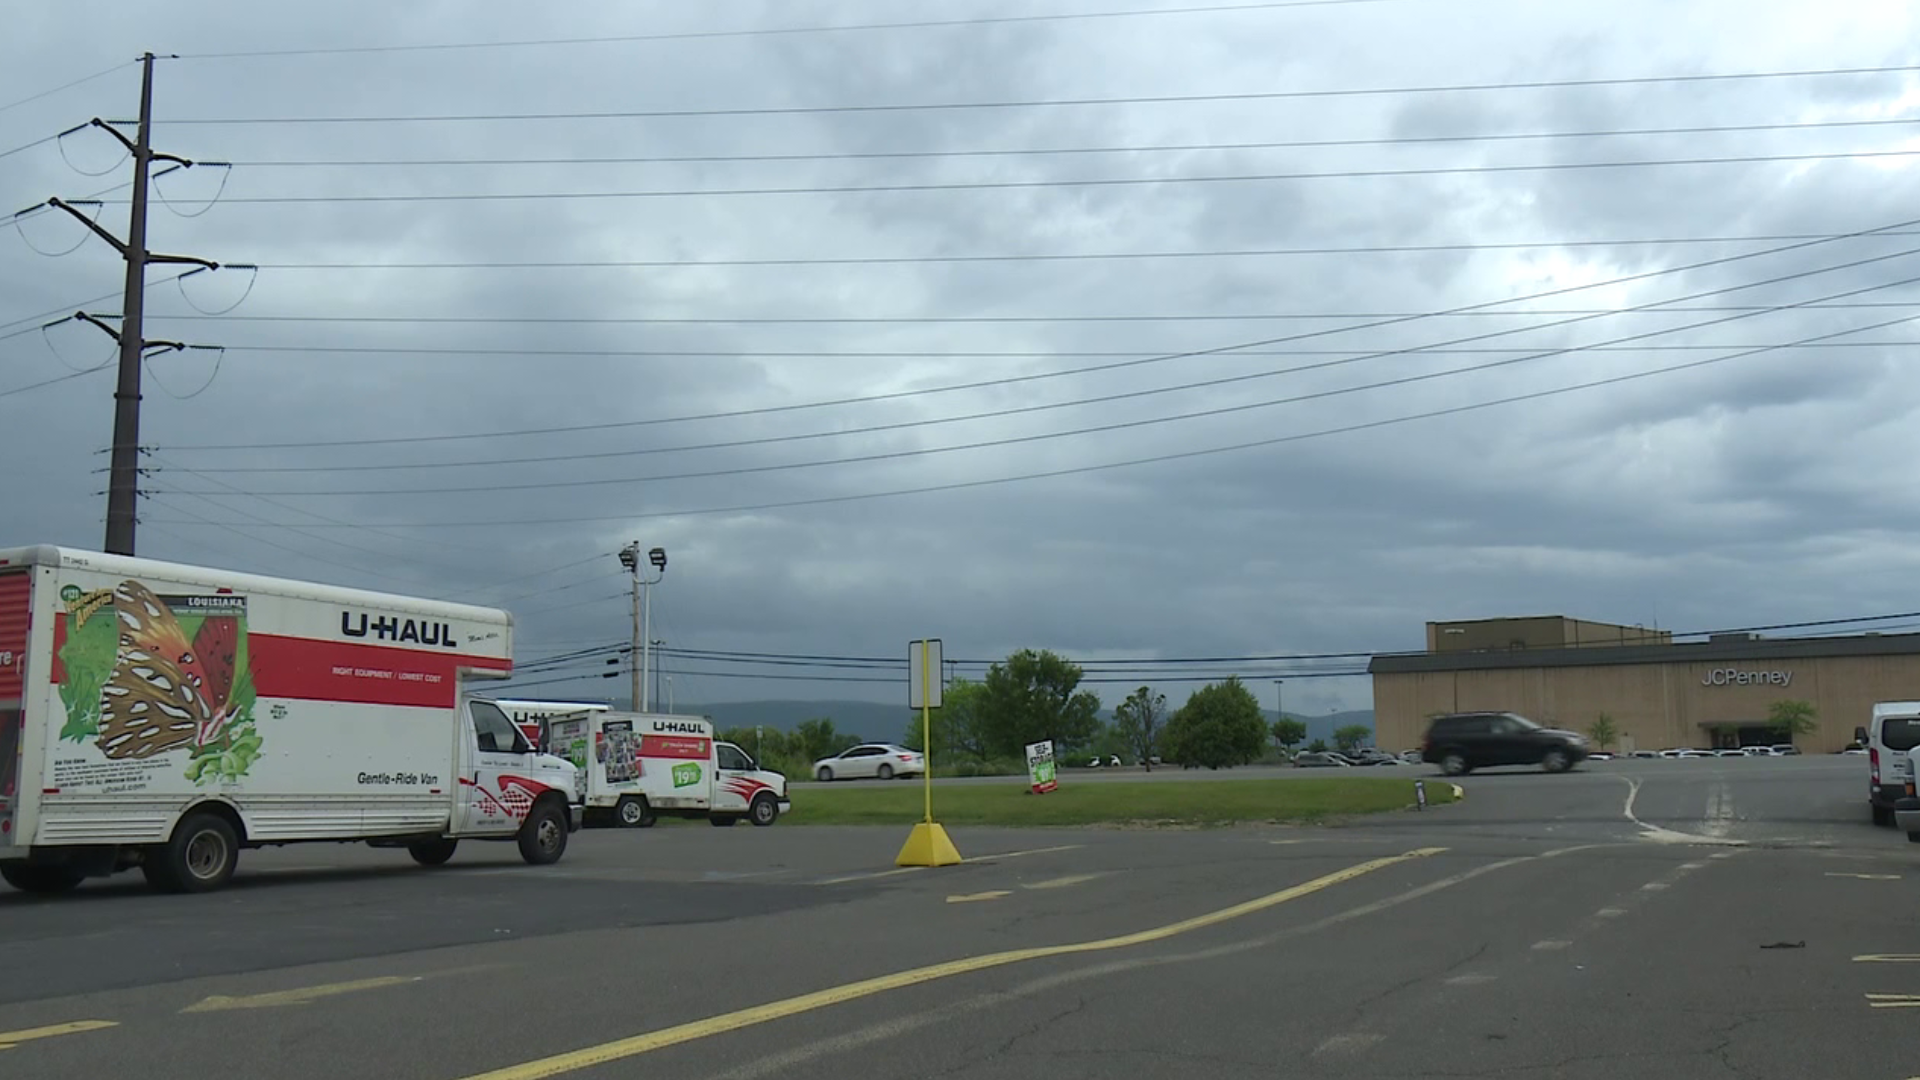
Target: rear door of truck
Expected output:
[16,613]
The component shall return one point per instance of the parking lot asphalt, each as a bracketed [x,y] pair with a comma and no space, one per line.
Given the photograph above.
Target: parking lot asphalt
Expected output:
[1649,919]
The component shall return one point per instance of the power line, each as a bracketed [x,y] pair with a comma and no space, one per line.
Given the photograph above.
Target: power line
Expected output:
[1071,256]
[1021,440]
[1022,185]
[1157,458]
[1155,99]
[1155,148]
[694,35]
[1482,307]
[44,140]
[956,320]
[67,86]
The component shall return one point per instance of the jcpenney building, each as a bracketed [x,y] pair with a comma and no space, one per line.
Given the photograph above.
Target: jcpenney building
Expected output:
[1660,694]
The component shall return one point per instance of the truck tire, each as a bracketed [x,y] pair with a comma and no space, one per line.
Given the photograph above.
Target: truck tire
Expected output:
[201,857]
[543,836]
[432,852]
[634,812]
[39,879]
[723,821]
[764,812]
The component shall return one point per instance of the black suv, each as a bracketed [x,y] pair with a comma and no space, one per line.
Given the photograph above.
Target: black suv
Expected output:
[1462,742]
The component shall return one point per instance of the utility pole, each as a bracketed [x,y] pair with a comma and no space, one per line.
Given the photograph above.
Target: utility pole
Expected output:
[642,615]
[123,484]
[651,642]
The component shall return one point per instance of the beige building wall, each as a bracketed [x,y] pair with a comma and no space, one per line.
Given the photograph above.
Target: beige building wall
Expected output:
[1654,706]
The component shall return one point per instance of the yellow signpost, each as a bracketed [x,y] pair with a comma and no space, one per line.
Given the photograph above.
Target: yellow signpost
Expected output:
[927,844]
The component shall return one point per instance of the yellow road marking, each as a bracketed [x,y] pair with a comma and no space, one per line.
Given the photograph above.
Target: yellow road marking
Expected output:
[1063,882]
[11,1039]
[971,897]
[1894,1001]
[1888,958]
[280,998]
[774,1010]
[1865,877]
[975,859]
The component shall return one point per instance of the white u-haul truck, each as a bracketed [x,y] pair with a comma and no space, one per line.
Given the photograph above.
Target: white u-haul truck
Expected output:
[638,766]
[165,717]
[530,716]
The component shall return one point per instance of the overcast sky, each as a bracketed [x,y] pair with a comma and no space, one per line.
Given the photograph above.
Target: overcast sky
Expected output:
[1773,487]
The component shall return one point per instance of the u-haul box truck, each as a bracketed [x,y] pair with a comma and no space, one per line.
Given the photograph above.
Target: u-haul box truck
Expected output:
[166,716]
[637,766]
[530,716]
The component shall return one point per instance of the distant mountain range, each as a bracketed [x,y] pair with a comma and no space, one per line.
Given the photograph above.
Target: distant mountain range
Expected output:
[875,722]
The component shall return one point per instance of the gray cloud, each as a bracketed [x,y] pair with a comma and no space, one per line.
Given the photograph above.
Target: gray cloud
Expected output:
[1763,489]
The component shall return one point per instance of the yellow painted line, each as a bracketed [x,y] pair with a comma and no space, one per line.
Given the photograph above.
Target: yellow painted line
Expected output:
[11,1039]
[1458,792]
[1894,1001]
[282,998]
[975,859]
[1063,882]
[971,897]
[1888,958]
[1865,877]
[636,1045]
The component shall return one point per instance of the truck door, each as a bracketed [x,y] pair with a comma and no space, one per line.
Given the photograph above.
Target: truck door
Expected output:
[494,793]
[734,785]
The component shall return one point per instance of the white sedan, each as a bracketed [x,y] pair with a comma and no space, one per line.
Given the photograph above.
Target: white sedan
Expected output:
[882,761]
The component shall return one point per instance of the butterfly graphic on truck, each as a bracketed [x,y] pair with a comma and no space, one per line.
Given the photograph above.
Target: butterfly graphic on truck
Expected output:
[147,675]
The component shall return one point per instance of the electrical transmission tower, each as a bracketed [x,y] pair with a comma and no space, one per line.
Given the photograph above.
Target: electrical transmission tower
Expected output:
[123,483]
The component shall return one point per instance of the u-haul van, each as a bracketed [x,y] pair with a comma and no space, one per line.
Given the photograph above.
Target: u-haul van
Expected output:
[166,717]
[637,766]
[530,716]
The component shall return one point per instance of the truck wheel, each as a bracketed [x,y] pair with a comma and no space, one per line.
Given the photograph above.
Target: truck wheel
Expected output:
[633,812]
[543,836]
[723,821]
[432,852]
[764,811]
[38,879]
[201,857]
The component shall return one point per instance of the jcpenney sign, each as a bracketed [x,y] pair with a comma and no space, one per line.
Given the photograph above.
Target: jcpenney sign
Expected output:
[1727,676]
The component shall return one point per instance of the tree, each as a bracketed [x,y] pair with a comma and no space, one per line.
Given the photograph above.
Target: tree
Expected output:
[1350,737]
[816,739]
[1317,746]
[1034,696]
[957,724]
[1603,732]
[1221,724]
[1289,732]
[1796,718]
[1138,720]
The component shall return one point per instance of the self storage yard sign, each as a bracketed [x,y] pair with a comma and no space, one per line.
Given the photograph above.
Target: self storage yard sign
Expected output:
[1040,770]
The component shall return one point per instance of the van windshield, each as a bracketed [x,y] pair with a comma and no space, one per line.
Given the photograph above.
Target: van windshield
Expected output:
[1901,735]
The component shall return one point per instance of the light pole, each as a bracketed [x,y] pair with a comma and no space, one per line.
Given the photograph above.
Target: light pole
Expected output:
[669,693]
[1279,699]
[652,644]
[642,613]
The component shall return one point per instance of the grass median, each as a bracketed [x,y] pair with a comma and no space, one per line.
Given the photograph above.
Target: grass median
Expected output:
[1198,803]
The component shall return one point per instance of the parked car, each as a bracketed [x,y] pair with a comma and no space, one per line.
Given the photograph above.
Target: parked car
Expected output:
[1786,749]
[1728,751]
[1320,759]
[1462,742]
[881,761]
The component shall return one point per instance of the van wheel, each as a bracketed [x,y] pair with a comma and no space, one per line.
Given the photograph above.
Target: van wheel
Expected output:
[39,879]
[724,821]
[885,772]
[1554,761]
[201,857]
[1453,763]
[764,811]
[1883,815]
[633,812]
[543,836]
[432,852]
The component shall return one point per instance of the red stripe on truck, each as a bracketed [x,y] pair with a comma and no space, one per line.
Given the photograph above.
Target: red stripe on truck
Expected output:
[675,746]
[309,670]
[16,613]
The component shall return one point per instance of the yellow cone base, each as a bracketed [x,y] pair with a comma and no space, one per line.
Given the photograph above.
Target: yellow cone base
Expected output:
[928,845]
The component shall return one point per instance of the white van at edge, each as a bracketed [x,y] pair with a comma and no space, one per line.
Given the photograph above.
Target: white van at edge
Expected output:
[1894,731]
